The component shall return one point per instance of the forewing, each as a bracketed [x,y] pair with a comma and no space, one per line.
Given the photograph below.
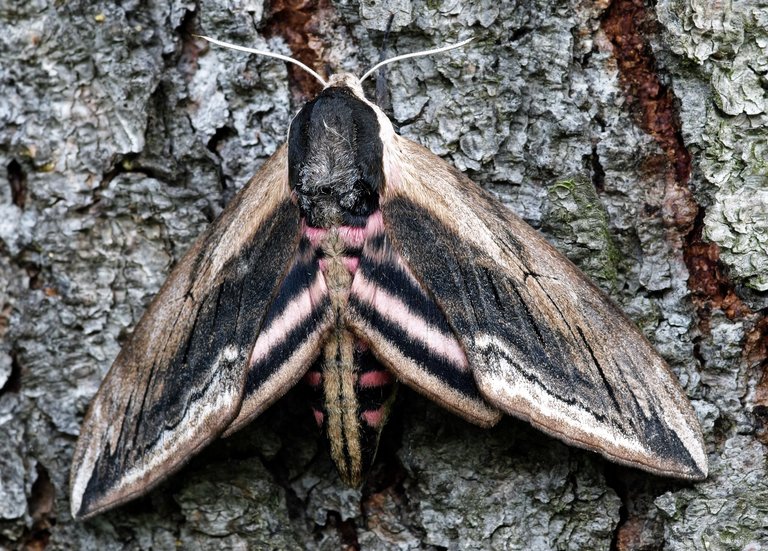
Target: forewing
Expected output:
[544,343]
[178,381]
[408,332]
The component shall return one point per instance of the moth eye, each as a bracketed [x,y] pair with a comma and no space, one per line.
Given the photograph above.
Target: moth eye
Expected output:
[324,190]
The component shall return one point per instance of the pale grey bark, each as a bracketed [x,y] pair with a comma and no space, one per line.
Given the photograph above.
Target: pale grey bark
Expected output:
[121,140]
[722,50]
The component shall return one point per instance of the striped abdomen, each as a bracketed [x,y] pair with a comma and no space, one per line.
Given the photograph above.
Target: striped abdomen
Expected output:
[352,395]
[352,391]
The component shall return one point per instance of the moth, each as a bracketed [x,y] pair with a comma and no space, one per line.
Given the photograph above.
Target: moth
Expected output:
[356,259]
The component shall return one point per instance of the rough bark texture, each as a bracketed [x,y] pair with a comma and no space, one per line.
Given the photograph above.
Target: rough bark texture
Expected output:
[633,135]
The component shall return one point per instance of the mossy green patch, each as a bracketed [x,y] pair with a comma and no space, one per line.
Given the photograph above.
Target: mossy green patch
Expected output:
[577,223]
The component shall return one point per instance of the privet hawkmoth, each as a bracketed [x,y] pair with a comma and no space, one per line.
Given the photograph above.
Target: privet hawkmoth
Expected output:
[356,258]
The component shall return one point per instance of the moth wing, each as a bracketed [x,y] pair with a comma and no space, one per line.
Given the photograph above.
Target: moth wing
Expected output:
[291,336]
[544,343]
[407,331]
[178,381]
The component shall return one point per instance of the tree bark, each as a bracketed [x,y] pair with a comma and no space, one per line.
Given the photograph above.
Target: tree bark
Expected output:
[633,135]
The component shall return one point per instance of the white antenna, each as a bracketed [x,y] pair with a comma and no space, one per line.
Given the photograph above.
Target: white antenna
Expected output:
[414,54]
[264,53]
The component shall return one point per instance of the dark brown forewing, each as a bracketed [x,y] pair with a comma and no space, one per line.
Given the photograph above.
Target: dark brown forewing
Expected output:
[544,343]
[178,381]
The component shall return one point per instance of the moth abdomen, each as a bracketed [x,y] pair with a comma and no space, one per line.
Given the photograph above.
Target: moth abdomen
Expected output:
[351,397]
[351,390]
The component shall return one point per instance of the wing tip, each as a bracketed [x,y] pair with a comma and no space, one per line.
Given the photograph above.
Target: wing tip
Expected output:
[84,505]
[76,508]
[694,470]
[699,474]
[82,513]
[683,470]
[692,465]
[88,499]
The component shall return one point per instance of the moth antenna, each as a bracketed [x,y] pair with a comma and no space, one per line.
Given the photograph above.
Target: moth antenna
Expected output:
[382,92]
[414,54]
[264,53]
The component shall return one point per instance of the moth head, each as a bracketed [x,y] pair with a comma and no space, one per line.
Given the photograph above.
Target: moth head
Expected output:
[336,144]
[335,154]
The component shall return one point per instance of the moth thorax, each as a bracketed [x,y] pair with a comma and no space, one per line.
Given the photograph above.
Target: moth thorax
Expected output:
[329,184]
[337,277]
[335,159]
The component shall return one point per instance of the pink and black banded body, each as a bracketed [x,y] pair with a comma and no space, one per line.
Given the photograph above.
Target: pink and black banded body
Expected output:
[352,391]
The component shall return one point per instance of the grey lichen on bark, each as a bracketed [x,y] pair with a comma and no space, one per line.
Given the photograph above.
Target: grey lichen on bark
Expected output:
[719,50]
[123,136]
[728,47]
